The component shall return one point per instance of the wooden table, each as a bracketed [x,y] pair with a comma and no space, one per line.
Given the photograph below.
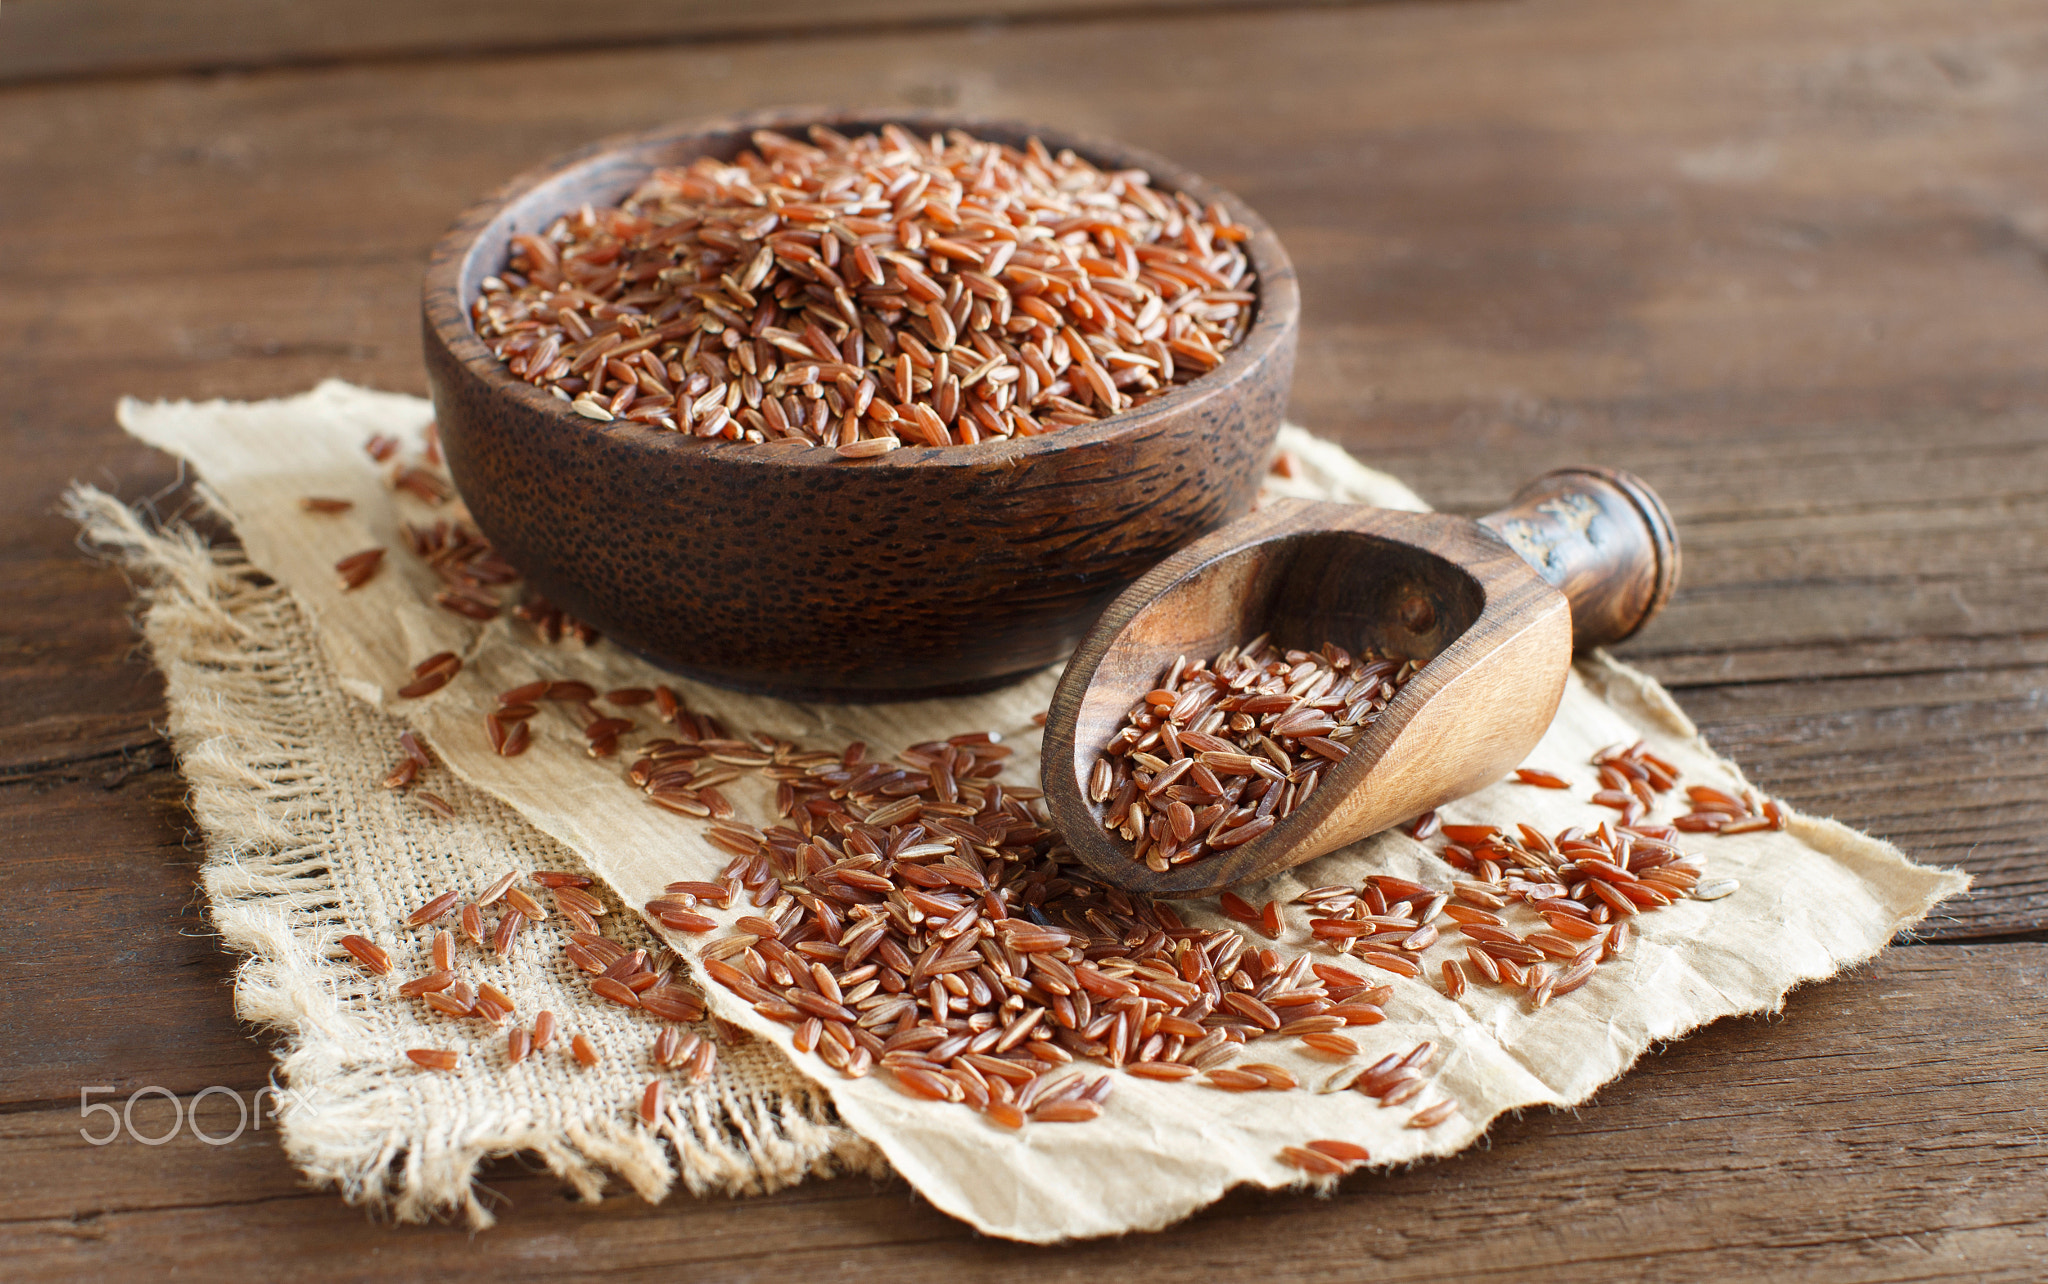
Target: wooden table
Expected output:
[1787,261]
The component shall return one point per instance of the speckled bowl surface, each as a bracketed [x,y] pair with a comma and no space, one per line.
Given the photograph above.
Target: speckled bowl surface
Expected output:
[791,571]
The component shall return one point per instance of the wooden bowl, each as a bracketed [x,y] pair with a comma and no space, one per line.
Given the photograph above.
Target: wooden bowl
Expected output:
[793,572]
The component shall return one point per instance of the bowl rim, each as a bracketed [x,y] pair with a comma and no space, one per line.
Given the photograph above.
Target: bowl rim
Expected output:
[447,316]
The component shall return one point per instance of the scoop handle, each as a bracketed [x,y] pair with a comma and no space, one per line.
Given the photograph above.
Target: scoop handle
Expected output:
[1604,539]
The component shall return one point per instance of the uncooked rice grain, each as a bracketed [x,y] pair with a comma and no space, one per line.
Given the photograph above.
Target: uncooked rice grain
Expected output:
[1222,751]
[869,292]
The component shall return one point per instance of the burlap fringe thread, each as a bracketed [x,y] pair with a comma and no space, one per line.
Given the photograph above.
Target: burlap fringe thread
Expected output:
[276,756]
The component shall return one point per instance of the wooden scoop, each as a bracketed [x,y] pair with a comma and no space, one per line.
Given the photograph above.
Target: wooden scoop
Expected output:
[1492,610]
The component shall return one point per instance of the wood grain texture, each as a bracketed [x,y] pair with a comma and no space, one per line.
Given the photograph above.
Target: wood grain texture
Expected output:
[113,973]
[46,39]
[1777,263]
[1864,1135]
[1947,765]
[1786,262]
[74,682]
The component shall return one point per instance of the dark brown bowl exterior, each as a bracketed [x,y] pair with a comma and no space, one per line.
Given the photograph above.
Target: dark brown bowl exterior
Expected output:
[791,572]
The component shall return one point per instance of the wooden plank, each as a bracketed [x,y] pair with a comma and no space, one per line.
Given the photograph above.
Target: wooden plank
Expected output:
[113,973]
[49,39]
[1683,671]
[1426,260]
[1903,544]
[1866,1134]
[76,684]
[1782,260]
[1947,765]
[1766,257]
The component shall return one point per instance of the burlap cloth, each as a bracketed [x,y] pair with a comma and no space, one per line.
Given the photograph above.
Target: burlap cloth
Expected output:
[284,714]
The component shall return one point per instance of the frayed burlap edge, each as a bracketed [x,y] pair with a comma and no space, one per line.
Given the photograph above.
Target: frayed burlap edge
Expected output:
[239,660]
